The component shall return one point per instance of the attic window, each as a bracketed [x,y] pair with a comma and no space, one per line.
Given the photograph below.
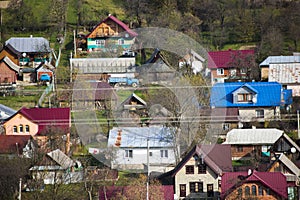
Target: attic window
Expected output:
[189,169]
[202,168]
[245,97]
[21,128]
[15,129]
[220,71]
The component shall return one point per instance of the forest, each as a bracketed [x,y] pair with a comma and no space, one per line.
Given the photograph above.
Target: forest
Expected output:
[272,26]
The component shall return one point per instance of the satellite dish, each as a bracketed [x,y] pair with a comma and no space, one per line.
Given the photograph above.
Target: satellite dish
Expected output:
[254,100]
[293,150]
[24,54]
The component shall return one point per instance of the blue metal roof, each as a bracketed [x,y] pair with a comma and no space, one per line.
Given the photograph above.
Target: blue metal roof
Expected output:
[268,94]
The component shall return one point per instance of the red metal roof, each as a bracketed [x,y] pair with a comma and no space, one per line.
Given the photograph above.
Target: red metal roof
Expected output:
[220,59]
[276,181]
[46,117]
[13,144]
[117,21]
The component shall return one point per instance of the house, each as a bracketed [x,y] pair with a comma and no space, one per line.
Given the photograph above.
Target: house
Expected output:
[17,145]
[284,164]
[198,174]
[26,50]
[195,62]
[256,101]
[130,146]
[284,70]
[219,120]
[94,95]
[253,185]
[40,123]
[134,110]
[259,143]
[161,192]
[156,70]
[111,33]
[57,168]
[9,71]
[102,68]
[220,64]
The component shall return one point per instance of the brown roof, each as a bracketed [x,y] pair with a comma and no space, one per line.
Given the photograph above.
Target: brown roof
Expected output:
[217,157]
[224,114]
[13,144]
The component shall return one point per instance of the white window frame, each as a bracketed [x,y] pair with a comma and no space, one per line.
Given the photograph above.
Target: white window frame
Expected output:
[128,153]
[164,153]
[226,126]
[100,42]
[121,41]
[258,113]
[220,71]
[15,129]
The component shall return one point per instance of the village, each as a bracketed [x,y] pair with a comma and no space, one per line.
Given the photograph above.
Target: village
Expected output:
[217,128]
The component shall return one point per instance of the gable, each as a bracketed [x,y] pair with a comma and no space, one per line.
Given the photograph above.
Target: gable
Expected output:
[17,120]
[221,59]
[111,27]
[267,94]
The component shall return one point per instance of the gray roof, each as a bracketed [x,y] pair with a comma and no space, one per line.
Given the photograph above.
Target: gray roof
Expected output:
[289,164]
[6,112]
[11,64]
[62,159]
[280,59]
[253,136]
[136,137]
[29,44]
[103,65]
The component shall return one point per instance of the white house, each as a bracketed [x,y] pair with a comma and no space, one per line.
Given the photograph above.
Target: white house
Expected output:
[131,145]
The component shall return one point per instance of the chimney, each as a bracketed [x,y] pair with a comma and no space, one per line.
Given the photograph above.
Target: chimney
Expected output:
[118,140]
[249,172]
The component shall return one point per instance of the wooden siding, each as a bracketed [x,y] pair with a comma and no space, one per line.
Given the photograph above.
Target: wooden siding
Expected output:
[248,151]
[234,194]
[10,55]
[7,75]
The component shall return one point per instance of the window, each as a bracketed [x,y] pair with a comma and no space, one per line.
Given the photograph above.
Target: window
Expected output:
[239,149]
[182,188]
[27,128]
[189,169]
[163,153]
[226,126]
[128,153]
[267,191]
[21,128]
[232,72]
[15,129]
[259,113]
[240,192]
[121,41]
[247,191]
[196,187]
[220,71]
[253,189]
[100,42]
[244,97]
[260,191]
[202,168]
[150,153]
[243,71]
[210,190]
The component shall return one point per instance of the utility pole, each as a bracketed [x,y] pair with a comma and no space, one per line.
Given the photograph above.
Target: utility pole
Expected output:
[148,169]
[20,189]
[298,124]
